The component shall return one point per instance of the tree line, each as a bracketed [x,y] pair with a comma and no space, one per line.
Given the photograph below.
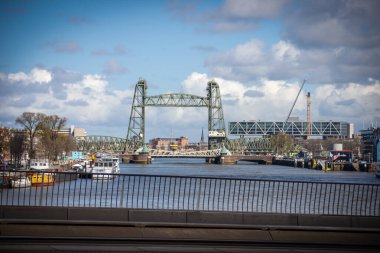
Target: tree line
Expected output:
[39,138]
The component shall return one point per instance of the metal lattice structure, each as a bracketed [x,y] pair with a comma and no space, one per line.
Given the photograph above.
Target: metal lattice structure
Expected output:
[249,145]
[216,126]
[93,143]
[294,128]
[184,154]
[136,128]
[176,100]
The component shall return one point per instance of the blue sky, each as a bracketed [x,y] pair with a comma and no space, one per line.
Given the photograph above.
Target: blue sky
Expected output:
[81,60]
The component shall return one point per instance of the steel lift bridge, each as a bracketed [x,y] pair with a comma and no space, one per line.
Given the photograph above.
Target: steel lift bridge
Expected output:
[136,129]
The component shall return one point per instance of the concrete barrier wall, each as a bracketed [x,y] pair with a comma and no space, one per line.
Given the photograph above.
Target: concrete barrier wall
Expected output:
[95,226]
[162,216]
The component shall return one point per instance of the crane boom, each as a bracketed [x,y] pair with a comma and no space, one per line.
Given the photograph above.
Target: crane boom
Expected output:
[291,109]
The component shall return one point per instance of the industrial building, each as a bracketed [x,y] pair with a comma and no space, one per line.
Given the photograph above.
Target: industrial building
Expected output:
[293,127]
[371,144]
[169,143]
[73,131]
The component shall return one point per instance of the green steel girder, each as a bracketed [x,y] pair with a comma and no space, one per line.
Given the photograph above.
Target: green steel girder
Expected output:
[249,145]
[94,143]
[176,100]
[216,126]
[136,128]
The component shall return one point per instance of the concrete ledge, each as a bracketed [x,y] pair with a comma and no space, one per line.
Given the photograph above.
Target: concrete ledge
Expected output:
[324,220]
[365,222]
[270,219]
[31,212]
[197,217]
[188,232]
[99,214]
[157,216]
[327,237]
[214,217]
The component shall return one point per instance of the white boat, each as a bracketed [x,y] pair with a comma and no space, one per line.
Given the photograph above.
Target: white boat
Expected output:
[84,168]
[21,182]
[105,168]
[39,165]
[77,167]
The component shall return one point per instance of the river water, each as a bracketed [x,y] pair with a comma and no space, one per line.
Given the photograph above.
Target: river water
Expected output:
[192,184]
[245,170]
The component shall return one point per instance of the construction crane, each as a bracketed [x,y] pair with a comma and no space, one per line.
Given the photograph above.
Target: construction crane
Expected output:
[291,109]
[308,132]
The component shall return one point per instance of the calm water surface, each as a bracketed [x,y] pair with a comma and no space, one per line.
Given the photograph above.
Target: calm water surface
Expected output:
[213,187]
[245,170]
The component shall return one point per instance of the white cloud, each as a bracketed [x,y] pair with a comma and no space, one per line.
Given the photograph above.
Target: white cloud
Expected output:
[91,103]
[89,100]
[18,77]
[352,102]
[285,51]
[285,61]
[237,106]
[37,75]
[99,104]
[247,53]
[244,60]
[40,76]
[94,82]
[196,84]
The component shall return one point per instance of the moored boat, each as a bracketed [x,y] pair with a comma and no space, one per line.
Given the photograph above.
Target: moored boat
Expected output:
[21,182]
[42,179]
[84,168]
[39,164]
[105,168]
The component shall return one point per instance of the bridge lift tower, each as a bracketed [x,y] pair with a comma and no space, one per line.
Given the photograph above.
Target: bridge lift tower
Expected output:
[136,128]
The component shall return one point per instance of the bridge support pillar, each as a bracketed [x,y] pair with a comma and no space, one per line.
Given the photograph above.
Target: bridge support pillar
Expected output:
[126,158]
[225,157]
[210,160]
[142,157]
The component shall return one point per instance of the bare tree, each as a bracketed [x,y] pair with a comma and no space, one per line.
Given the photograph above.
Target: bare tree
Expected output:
[69,144]
[282,143]
[5,137]
[32,123]
[17,147]
[52,125]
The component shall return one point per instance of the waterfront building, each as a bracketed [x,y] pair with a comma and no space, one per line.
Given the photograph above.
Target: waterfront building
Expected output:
[371,144]
[73,131]
[294,127]
[79,132]
[169,143]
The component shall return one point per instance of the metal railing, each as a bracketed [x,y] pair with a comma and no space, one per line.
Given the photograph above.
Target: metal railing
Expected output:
[196,193]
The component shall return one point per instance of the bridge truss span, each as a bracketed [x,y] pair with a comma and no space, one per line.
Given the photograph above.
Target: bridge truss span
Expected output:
[95,143]
[184,154]
[293,128]
[176,100]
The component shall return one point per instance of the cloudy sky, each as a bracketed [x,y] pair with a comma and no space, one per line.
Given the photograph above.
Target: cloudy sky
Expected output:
[82,59]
